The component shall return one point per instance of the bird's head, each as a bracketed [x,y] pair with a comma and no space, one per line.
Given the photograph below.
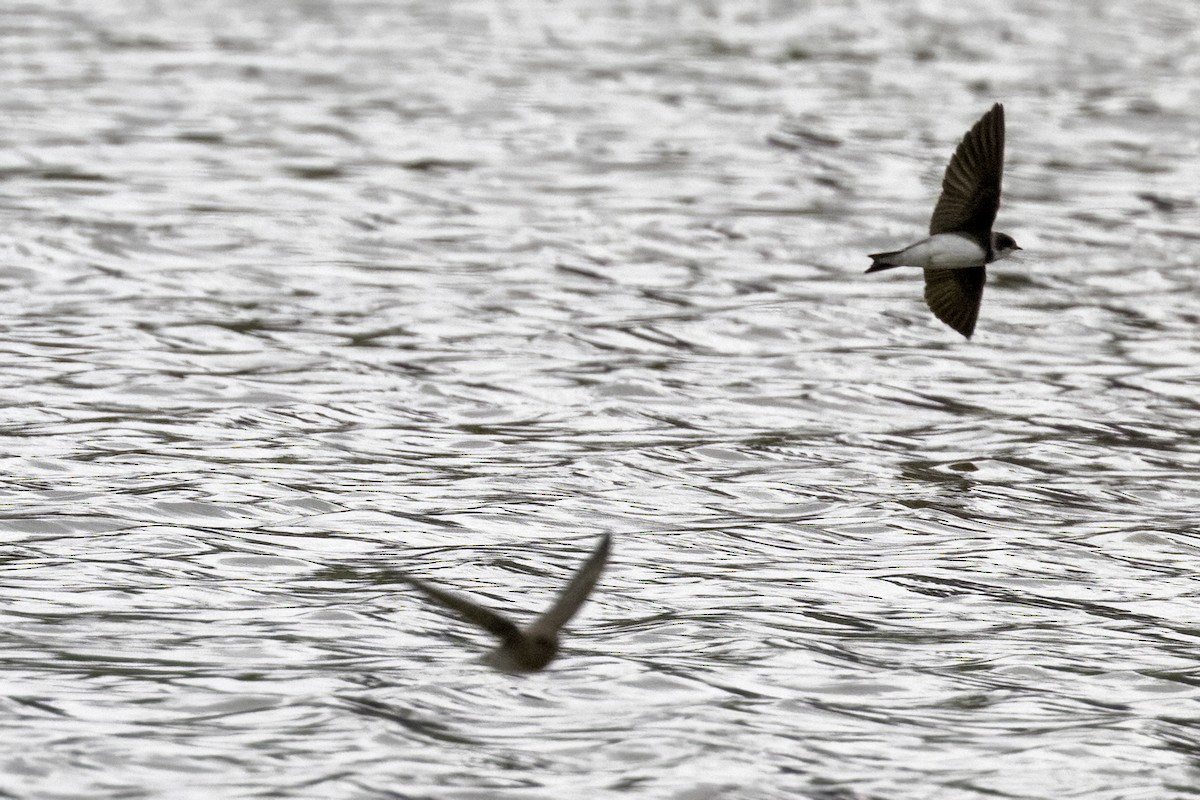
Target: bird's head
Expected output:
[1003,245]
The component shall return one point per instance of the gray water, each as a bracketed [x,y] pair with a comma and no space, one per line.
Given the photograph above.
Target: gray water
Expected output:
[301,293]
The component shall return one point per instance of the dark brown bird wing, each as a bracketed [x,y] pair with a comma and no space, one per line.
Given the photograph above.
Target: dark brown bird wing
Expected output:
[971,187]
[483,617]
[953,296]
[577,590]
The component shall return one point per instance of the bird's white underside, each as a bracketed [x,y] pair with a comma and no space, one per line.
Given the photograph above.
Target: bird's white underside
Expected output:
[942,251]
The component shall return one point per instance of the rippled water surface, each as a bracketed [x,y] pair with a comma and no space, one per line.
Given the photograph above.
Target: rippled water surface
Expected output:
[301,293]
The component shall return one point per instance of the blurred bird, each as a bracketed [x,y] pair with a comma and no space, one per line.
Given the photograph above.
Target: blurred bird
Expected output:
[961,239]
[532,648]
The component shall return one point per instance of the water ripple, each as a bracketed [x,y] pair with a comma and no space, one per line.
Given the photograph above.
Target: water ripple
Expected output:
[301,295]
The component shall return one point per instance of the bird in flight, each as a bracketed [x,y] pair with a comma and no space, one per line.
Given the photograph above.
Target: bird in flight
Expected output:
[961,240]
[531,648]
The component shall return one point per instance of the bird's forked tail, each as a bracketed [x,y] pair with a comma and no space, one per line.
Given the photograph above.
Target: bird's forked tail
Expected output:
[882,261]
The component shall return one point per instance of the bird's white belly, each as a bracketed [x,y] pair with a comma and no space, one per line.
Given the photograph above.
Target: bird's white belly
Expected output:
[945,251]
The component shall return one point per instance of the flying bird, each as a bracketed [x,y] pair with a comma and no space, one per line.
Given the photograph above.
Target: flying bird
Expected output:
[961,240]
[531,648]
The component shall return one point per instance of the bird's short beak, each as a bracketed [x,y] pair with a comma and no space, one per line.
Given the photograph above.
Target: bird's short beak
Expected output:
[1017,247]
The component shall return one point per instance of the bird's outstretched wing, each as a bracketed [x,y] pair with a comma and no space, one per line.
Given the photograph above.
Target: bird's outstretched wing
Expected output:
[971,187]
[483,617]
[953,295]
[577,590]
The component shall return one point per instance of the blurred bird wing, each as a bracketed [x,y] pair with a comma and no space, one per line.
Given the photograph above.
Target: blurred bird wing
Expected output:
[577,591]
[483,617]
